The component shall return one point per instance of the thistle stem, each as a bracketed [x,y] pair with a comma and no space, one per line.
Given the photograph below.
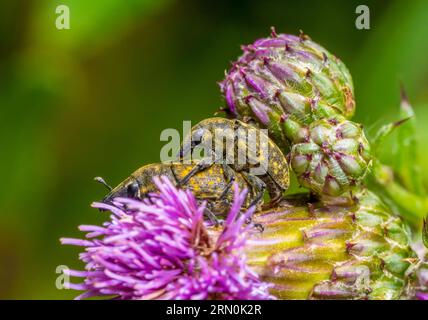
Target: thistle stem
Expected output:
[415,205]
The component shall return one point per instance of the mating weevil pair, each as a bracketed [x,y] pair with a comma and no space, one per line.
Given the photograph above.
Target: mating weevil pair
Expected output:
[212,185]
[250,159]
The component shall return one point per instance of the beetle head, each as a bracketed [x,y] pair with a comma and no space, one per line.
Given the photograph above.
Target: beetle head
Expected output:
[130,188]
[199,136]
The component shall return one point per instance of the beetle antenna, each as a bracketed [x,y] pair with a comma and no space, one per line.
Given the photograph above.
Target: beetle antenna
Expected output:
[102,181]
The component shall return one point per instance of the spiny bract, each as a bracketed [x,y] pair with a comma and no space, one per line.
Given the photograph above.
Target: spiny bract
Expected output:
[315,251]
[333,157]
[285,82]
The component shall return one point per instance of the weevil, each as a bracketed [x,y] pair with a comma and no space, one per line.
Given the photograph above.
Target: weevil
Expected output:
[213,184]
[243,147]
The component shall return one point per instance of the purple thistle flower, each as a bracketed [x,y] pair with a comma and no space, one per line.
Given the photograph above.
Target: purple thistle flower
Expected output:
[421,296]
[161,248]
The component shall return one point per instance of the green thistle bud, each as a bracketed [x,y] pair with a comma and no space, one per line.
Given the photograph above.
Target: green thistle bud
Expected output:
[334,156]
[317,251]
[285,83]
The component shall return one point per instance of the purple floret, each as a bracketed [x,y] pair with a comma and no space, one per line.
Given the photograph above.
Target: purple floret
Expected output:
[160,248]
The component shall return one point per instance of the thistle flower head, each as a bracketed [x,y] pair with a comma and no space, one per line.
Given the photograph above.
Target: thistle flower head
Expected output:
[422,282]
[288,79]
[354,250]
[418,286]
[333,157]
[160,248]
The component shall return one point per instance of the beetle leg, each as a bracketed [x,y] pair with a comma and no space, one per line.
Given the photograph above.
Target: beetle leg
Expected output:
[229,174]
[273,202]
[259,226]
[258,187]
[275,192]
[249,121]
[213,218]
[186,149]
[200,166]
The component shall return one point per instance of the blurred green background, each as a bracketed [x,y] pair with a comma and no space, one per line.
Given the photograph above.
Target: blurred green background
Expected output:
[92,100]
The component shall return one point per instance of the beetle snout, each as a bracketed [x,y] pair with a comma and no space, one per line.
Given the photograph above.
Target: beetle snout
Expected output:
[107,199]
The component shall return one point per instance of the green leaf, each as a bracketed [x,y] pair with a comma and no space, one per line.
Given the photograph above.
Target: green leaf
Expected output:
[415,207]
[384,132]
[408,166]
